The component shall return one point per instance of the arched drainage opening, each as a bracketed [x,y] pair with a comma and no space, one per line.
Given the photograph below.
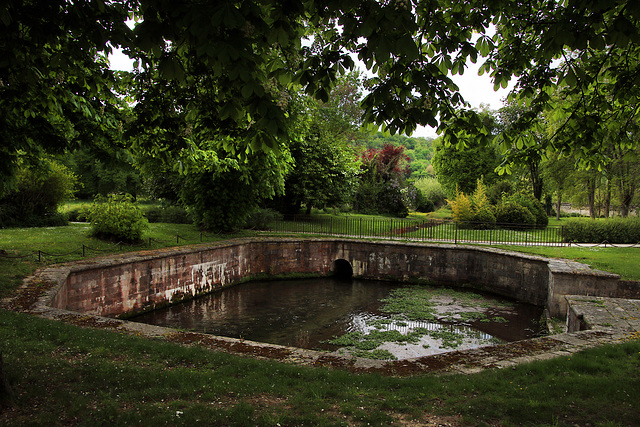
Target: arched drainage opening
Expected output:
[341,269]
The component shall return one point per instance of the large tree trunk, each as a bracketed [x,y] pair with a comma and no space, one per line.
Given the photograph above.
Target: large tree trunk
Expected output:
[536,180]
[626,197]
[591,196]
[607,200]
[558,205]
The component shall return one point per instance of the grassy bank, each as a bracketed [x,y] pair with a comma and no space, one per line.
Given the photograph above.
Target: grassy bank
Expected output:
[623,261]
[63,374]
[66,375]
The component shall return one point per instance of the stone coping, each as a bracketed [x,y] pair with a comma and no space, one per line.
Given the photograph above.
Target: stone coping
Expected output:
[606,320]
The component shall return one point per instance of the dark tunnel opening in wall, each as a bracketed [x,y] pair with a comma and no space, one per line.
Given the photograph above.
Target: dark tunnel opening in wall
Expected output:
[341,269]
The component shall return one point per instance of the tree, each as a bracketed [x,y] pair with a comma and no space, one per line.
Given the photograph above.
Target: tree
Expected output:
[383,187]
[223,64]
[101,172]
[597,46]
[325,164]
[529,155]
[558,172]
[222,192]
[459,170]
[39,190]
[626,176]
[56,89]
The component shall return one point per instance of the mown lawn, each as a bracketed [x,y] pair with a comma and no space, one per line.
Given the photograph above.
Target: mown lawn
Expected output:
[62,374]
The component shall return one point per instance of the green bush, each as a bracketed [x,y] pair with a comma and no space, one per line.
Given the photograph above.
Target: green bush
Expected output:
[614,230]
[498,190]
[512,213]
[534,205]
[117,218]
[176,215]
[153,214]
[483,218]
[40,188]
[473,211]
[461,208]
[77,215]
[432,191]
[168,214]
[260,219]
[423,204]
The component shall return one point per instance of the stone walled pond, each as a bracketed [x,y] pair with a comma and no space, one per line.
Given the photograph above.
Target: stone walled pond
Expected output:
[103,292]
[366,318]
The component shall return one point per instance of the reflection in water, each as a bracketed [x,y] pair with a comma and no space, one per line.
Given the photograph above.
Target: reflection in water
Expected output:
[306,313]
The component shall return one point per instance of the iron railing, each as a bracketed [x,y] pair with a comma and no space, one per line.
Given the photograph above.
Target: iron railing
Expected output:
[446,231]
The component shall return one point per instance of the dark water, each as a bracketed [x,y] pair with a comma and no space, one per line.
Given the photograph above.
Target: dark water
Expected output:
[305,313]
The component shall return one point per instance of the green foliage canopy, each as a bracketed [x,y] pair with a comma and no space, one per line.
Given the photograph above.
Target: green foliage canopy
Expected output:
[39,189]
[223,63]
[459,170]
[56,88]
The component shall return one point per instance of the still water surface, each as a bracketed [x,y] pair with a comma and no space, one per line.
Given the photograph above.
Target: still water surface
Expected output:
[306,313]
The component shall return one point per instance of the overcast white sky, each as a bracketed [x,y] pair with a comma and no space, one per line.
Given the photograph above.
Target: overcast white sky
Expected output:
[474,88]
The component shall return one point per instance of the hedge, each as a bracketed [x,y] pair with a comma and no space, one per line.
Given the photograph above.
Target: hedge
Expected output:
[612,230]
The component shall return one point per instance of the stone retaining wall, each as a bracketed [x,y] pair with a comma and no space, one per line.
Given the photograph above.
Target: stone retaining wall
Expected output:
[126,284]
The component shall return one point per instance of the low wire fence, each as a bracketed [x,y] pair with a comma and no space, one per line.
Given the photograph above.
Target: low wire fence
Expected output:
[86,250]
[446,231]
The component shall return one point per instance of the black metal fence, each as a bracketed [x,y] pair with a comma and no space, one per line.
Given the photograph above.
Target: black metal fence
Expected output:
[423,230]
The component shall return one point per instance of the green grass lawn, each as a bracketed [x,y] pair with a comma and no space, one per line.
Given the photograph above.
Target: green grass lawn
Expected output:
[623,261]
[62,374]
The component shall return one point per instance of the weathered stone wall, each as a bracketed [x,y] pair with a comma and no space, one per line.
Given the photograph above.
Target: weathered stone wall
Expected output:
[134,282]
[514,275]
[138,282]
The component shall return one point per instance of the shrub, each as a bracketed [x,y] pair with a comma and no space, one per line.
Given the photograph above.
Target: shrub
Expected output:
[176,215]
[614,230]
[499,190]
[117,218]
[512,213]
[461,208]
[38,192]
[483,218]
[432,191]
[77,215]
[534,205]
[168,214]
[153,214]
[475,211]
[423,204]
[260,219]
[391,199]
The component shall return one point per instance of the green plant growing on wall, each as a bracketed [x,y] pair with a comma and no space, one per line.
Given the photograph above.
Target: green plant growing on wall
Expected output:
[117,217]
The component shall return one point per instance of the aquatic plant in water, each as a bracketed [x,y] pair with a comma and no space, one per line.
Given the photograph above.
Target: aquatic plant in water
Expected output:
[419,304]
